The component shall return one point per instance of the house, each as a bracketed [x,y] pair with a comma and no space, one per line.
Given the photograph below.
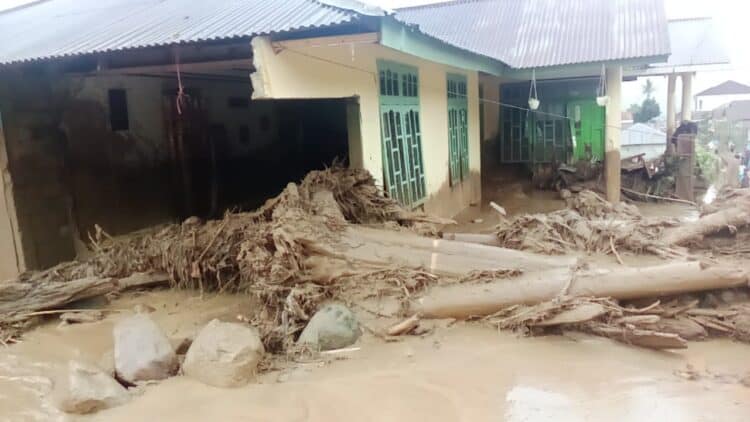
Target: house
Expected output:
[641,138]
[565,57]
[731,123]
[721,94]
[121,115]
[695,47]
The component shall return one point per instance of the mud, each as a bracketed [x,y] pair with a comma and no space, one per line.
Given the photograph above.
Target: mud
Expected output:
[464,372]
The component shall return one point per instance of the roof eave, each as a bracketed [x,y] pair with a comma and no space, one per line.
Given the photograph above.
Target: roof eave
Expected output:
[591,68]
[410,40]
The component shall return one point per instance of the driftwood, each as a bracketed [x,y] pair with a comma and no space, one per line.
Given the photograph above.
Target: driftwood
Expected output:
[19,299]
[404,326]
[465,301]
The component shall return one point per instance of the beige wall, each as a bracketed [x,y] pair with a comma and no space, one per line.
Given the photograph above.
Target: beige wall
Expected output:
[345,71]
[491,87]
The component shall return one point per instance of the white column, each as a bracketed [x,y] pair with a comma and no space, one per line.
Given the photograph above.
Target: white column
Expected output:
[687,96]
[671,83]
[612,132]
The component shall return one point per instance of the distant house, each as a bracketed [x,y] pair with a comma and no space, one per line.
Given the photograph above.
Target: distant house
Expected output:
[721,94]
[641,138]
[731,122]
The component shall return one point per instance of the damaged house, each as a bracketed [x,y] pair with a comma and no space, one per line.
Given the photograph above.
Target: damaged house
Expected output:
[118,115]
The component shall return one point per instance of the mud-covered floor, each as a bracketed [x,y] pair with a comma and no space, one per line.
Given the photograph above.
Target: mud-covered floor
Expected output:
[459,372]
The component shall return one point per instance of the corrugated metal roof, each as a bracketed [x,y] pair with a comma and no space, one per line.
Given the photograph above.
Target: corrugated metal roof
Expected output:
[538,33]
[59,28]
[642,134]
[725,88]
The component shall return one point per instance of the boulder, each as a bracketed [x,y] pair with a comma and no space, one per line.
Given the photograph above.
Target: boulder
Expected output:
[142,351]
[87,389]
[334,326]
[224,354]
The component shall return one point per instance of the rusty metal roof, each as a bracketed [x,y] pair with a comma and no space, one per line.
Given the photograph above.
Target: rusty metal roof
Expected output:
[61,28]
[539,33]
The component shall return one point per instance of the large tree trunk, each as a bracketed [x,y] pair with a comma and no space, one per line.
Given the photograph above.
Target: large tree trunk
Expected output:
[18,299]
[734,216]
[444,257]
[463,301]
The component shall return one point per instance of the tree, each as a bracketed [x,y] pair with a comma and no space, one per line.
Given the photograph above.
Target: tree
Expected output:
[648,89]
[646,111]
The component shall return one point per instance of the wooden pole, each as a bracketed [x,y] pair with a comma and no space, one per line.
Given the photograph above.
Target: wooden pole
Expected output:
[612,131]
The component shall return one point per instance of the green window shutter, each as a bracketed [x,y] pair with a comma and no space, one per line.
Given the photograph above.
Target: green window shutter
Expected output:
[458,128]
[403,167]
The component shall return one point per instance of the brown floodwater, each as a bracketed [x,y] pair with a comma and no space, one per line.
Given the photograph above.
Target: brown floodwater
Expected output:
[465,372]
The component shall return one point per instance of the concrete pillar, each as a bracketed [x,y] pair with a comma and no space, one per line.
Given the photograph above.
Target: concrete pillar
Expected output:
[687,96]
[612,131]
[671,82]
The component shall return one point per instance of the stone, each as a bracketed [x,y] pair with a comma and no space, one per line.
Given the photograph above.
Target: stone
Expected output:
[334,326]
[142,351]
[224,354]
[87,389]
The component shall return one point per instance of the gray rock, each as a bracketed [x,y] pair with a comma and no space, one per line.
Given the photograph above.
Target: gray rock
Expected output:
[334,326]
[224,354]
[142,351]
[87,389]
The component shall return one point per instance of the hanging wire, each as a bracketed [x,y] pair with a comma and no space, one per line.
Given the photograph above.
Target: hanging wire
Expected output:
[482,100]
[532,87]
[181,96]
[602,90]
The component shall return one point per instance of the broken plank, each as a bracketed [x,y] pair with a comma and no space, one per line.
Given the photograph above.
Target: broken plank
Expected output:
[579,314]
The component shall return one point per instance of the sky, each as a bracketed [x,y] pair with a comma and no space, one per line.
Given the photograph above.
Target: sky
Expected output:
[730,19]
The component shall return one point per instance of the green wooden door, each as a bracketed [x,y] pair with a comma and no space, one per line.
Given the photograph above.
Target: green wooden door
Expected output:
[403,167]
[458,129]
[587,125]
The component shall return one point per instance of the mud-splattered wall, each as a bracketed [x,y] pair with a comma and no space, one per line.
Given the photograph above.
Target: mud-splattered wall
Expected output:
[70,172]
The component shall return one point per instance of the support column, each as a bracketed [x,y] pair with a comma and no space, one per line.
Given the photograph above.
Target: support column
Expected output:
[612,132]
[687,96]
[671,83]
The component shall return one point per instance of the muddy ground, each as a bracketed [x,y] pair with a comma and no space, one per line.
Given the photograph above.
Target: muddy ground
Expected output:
[461,372]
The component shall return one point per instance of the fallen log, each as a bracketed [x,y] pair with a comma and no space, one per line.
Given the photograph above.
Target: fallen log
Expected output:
[465,301]
[18,299]
[445,257]
[735,216]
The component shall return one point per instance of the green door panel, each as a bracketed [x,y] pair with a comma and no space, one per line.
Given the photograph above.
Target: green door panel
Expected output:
[458,128]
[587,125]
[401,136]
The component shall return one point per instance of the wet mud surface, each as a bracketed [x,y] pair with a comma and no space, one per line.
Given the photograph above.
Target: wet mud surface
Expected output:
[464,372]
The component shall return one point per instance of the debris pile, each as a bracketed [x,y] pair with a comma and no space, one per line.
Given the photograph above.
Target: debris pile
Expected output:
[592,224]
[659,325]
[336,236]
[589,223]
[272,253]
